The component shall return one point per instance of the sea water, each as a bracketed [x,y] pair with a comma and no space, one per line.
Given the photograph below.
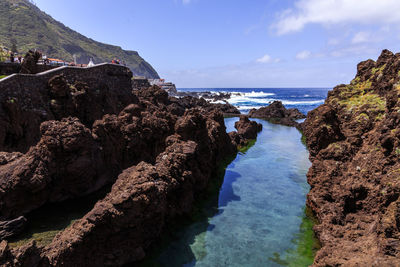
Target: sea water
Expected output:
[258,218]
[305,99]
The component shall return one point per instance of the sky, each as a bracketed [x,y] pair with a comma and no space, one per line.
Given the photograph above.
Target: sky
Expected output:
[241,43]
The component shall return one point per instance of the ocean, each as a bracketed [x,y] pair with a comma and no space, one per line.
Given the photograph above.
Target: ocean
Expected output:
[304,99]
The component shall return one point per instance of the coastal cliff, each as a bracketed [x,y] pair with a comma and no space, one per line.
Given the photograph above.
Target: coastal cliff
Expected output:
[354,145]
[25,26]
[88,131]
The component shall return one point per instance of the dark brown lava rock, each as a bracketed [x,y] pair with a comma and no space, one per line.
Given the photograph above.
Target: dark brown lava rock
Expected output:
[277,113]
[159,152]
[354,143]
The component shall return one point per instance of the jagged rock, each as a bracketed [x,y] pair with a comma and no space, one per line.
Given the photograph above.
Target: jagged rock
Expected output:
[247,129]
[12,227]
[325,129]
[277,113]
[52,170]
[153,94]
[135,135]
[30,255]
[30,60]
[171,149]
[24,256]
[88,94]
[6,257]
[295,114]
[84,101]
[131,217]
[227,109]
[354,144]
[180,104]
[6,157]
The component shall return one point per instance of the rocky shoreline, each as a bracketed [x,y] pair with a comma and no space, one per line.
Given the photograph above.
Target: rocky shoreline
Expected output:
[159,152]
[66,135]
[354,146]
[275,112]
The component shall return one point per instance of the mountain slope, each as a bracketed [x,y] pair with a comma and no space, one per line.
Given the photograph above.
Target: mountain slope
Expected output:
[24,25]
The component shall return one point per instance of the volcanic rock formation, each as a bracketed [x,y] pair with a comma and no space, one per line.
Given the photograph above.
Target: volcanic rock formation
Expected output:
[354,144]
[246,130]
[29,64]
[277,113]
[158,153]
[87,94]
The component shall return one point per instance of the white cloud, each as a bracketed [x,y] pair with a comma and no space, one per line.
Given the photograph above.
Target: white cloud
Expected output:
[303,55]
[361,37]
[185,2]
[265,59]
[330,12]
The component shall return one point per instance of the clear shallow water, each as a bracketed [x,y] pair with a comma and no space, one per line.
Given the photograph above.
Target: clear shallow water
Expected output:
[257,219]
[305,99]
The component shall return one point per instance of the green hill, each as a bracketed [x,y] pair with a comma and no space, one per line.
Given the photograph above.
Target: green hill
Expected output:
[25,26]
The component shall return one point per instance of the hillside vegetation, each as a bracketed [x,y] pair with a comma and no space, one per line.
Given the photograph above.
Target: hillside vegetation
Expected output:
[25,27]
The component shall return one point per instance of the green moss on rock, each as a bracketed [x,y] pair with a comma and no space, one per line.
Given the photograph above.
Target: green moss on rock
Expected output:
[250,143]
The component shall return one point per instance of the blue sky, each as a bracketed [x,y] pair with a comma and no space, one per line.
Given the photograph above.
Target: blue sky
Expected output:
[241,43]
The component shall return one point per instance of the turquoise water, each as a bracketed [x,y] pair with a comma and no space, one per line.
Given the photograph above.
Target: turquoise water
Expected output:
[257,219]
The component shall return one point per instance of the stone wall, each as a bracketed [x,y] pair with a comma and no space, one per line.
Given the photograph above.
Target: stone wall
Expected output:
[11,68]
[26,100]
[140,83]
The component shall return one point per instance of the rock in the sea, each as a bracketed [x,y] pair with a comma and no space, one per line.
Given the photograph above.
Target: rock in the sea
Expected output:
[354,144]
[277,113]
[246,128]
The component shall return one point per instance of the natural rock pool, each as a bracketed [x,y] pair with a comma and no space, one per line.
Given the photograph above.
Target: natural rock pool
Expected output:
[259,216]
